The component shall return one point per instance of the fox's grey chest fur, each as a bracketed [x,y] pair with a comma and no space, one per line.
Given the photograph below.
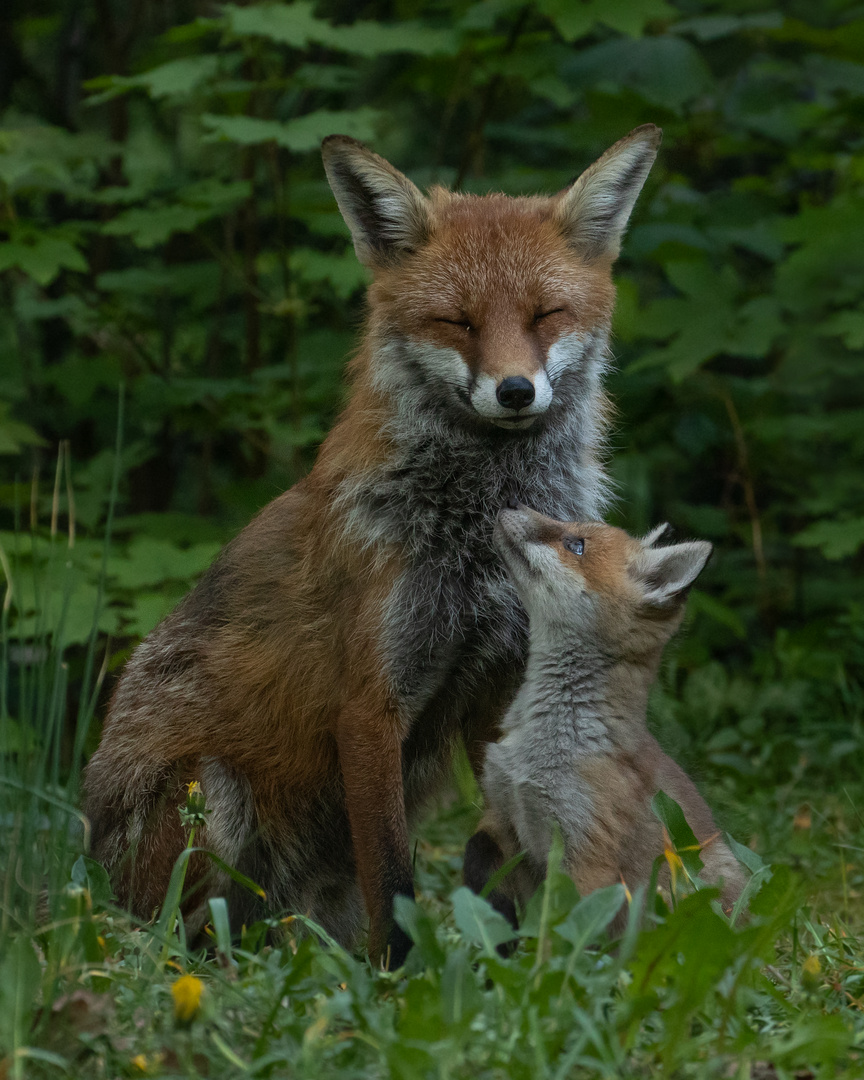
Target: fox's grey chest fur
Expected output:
[453,610]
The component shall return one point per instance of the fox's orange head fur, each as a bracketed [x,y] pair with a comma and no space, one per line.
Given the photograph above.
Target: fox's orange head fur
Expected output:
[482,303]
[623,595]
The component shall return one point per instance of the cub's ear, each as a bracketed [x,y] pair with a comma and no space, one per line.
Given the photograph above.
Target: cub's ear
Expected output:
[660,532]
[385,212]
[667,572]
[593,211]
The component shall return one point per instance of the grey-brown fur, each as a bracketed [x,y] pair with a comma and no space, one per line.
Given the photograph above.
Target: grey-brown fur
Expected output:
[318,677]
[576,752]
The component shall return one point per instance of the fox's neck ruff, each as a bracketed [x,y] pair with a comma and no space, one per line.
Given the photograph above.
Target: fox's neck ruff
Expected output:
[434,495]
[448,472]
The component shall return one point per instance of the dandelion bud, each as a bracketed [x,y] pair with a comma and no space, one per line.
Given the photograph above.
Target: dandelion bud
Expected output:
[194,809]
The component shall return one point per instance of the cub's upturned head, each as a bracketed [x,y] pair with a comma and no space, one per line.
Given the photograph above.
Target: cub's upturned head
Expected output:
[624,595]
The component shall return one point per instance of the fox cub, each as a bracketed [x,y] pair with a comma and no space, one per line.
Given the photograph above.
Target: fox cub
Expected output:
[576,749]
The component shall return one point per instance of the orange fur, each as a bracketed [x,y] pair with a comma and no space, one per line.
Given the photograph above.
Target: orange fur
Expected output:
[577,750]
[289,682]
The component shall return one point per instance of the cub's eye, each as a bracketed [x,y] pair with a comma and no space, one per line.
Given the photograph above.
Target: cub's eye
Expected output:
[545,314]
[464,323]
[574,545]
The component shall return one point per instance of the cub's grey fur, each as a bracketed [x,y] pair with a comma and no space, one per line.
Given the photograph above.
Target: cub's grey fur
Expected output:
[576,751]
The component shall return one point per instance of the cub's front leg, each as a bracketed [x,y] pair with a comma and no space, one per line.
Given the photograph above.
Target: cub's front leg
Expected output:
[492,845]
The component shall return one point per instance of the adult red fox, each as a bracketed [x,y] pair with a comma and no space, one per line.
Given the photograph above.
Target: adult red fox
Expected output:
[576,750]
[318,677]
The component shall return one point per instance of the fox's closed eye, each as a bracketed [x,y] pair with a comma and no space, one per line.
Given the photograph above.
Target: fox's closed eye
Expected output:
[574,544]
[545,314]
[464,323]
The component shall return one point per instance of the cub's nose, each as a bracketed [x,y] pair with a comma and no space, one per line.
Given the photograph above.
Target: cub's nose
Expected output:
[515,392]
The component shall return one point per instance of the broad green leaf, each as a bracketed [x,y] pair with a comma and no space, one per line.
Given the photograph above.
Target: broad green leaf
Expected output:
[479,922]
[173,79]
[718,611]
[343,272]
[39,157]
[665,70]
[576,20]
[94,877]
[296,25]
[15,435]
[590,917]
[712,27]
[814,1041]
[41,254]
[147,610]
[836,539]
[778,897]
[461,997]
[418,925]
[682,837]
[757,326]
[149,227]
[14,738]
[760,873]
[849,325]
[303,134]
[151,561]
[696,932]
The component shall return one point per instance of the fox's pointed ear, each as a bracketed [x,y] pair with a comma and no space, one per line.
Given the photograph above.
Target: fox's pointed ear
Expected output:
[668,571]
[385,212]
[658,533]
[593,211]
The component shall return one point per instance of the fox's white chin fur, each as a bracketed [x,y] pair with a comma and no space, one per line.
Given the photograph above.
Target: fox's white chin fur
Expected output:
[446,368]
[518,424]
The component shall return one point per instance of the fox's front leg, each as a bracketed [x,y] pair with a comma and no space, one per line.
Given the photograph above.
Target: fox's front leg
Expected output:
[370,756]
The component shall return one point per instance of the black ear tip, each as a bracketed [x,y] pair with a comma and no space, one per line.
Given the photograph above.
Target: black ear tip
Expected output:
[336,142]
[648,133]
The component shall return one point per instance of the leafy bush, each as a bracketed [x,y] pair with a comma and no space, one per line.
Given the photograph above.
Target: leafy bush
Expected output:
[165,227]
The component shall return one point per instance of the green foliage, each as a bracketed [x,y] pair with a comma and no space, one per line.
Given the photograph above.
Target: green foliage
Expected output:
[165,226]
[172,230]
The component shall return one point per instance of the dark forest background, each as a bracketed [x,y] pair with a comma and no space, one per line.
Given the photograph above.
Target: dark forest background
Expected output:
[165,226]
[175,281]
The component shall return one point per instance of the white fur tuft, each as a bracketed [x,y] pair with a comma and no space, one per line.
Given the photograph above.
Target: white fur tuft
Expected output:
[593,212]
[386,213]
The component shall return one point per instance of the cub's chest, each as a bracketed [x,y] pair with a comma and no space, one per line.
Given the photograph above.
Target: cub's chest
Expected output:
[534,783]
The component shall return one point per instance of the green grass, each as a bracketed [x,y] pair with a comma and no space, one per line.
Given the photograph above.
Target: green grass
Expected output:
[86,991]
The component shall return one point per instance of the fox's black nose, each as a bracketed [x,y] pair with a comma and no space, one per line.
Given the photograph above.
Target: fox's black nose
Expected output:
[515,392]
[513,503]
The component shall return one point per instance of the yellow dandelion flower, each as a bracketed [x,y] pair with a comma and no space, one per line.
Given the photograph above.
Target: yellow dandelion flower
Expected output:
[811,969]
[149,1065]
[193,788]
[186,991]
